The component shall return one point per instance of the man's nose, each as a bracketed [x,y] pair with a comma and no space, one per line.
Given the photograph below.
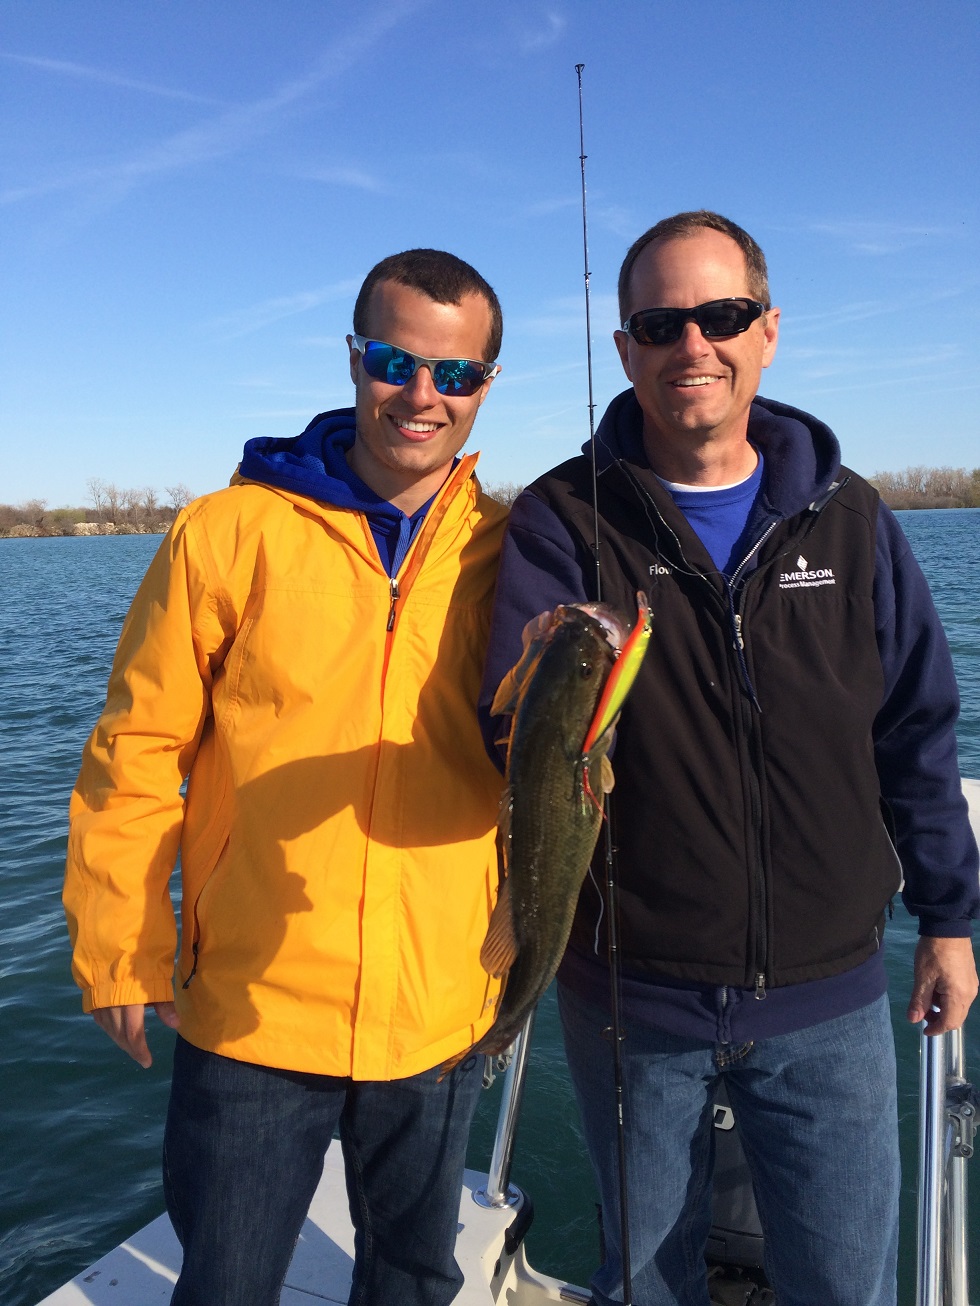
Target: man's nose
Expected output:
[692,343]
[421,389]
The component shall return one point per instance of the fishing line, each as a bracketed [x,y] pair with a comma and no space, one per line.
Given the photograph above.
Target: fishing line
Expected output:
[612,929]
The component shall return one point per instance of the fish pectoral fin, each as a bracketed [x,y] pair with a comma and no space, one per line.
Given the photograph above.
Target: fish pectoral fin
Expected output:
[509,690]
[606,778]
[499,951]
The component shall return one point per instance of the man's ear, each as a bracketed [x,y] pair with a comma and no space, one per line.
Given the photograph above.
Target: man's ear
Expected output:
[771,330]
[485,388]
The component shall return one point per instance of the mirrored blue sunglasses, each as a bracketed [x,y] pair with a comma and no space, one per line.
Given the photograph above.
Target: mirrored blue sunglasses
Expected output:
[455,377]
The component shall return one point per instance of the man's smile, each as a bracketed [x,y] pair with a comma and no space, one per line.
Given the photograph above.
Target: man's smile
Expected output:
[413,426]
[685,381]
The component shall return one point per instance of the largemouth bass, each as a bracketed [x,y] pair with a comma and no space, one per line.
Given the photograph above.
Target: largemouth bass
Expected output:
[565,696]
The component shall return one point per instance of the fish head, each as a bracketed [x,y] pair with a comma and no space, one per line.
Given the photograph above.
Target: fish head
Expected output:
[575,656]
[614,625]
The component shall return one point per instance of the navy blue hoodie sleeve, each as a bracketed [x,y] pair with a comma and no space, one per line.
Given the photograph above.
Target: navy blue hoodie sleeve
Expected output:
[915,743]
[540,568]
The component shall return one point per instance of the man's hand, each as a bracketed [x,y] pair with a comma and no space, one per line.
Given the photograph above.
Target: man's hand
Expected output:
[945,977]
[125,1026]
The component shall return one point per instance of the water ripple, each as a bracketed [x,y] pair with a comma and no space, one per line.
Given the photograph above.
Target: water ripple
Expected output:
[81,1126]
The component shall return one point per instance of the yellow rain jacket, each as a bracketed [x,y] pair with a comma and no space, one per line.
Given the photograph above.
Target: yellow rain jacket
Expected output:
[336,840]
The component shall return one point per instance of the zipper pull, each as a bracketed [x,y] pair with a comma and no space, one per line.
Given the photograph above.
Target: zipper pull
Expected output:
[760,987]
[739,642]
[393,588]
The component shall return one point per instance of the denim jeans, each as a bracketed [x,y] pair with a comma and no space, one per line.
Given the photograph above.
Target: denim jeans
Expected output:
[243,1153]
[817,1115]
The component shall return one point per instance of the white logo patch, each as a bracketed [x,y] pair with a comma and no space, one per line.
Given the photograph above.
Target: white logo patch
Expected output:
[658,569]
[804,577]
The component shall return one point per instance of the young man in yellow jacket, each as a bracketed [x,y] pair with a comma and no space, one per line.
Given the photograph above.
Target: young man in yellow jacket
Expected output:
[306,651]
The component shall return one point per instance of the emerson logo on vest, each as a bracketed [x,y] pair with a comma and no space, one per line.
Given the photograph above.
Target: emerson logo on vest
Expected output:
[804,577]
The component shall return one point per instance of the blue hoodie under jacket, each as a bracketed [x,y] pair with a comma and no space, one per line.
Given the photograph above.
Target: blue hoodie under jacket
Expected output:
[315,464]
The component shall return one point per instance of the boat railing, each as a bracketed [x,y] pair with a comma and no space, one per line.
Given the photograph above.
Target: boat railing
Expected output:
[948,1112]
[498,1191]
[948,1106]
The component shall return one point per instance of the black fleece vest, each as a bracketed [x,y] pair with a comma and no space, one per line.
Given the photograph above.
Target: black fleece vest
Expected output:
[751,849]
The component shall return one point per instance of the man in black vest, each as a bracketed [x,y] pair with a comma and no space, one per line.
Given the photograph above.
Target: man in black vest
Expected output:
[791,730]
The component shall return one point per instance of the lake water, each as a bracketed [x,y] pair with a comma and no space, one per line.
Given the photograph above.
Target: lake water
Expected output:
[80,1125]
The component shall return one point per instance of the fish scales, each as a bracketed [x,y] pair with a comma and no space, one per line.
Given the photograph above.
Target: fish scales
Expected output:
[552,807]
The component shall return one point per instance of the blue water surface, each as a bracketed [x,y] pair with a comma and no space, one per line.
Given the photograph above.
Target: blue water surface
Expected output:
[81,1125]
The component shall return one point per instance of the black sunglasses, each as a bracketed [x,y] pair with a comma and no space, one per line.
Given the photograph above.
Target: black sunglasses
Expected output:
[719,317]
[459,377]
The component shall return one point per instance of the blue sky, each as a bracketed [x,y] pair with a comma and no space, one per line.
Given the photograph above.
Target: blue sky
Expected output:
[192,190]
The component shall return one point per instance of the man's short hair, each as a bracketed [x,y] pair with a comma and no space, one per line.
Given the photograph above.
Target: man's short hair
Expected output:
[689,224]
[443,277]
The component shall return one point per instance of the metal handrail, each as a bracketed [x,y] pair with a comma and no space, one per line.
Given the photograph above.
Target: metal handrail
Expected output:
[498,1191]
[947,1108]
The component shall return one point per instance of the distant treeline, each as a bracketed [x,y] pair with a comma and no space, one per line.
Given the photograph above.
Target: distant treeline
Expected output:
[916,487]
[110,511]
[929,487]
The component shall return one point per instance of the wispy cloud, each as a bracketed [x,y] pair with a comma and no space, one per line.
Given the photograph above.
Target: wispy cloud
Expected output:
[878,237]
[862,310]
[821,364]
[545,208]
[256,316]
[65,68]
[611,217]
[349,178]
[224,134]
[840,315]
[568,314]
[552,26]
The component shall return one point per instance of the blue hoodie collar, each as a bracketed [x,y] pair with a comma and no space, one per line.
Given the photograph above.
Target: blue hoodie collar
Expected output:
[802,456]
[314,465]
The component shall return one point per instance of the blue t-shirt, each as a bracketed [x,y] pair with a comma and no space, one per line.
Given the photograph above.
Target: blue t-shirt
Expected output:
[720,517]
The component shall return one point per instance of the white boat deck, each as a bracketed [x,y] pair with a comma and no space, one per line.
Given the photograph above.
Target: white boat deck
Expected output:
[143,1270]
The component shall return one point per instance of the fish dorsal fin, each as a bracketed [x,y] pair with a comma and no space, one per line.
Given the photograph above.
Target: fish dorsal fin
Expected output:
[499,950]
[621,677]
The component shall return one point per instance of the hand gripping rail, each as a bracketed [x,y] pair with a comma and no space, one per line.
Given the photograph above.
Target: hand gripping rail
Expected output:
[948,1107]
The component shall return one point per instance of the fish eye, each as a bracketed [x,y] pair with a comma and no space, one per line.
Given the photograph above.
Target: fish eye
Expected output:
[586,669]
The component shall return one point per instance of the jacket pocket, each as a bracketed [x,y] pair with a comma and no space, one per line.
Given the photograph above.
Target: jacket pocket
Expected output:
[191,921]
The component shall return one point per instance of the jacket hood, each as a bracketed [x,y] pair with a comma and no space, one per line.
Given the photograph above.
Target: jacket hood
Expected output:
[314,464]
[801,453]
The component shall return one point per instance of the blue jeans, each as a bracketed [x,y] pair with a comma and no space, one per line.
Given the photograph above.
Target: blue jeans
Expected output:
[817,1115]
[243,1153]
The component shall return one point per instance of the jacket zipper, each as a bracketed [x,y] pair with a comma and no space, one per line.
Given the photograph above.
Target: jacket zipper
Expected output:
[760,943]
[395,595]
[750,728]
[748,722]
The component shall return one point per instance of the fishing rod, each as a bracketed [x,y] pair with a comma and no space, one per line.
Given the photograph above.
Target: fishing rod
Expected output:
[615,1031]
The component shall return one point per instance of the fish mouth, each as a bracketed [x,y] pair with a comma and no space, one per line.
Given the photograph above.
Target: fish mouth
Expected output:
[614,628]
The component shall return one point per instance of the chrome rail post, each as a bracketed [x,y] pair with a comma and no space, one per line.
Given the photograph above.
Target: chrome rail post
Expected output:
[957,1262]
[947,1120]
[498,1191]
[932,1132]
